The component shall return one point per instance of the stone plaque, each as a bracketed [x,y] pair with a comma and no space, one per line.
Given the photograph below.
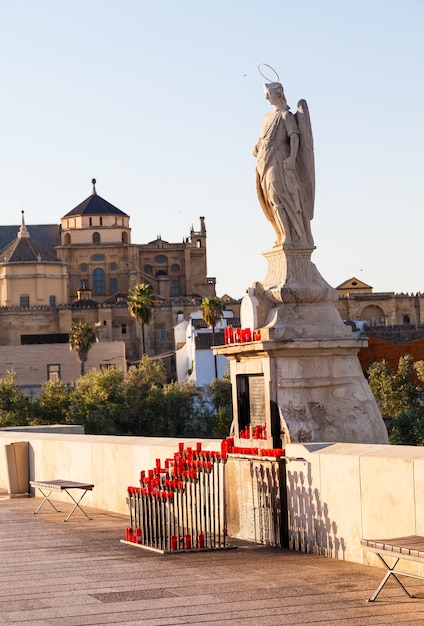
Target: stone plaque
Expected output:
[257,400]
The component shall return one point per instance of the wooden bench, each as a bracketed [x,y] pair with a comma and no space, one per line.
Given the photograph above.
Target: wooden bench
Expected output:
[409,548]
[48,486]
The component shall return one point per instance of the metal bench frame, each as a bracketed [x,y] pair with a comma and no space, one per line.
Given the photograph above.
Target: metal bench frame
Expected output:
[46,487]
[409,548]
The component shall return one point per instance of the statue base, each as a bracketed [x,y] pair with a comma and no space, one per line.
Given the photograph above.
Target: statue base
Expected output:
[294,300]
[304,391]
[302,379]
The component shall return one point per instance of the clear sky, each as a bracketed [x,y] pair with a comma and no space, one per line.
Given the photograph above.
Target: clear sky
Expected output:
[162,103]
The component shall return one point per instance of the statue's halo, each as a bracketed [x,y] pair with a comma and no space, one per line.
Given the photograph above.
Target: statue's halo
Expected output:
[266,77]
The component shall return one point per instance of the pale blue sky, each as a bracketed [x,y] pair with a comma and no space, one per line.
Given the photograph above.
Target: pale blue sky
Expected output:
[162,103]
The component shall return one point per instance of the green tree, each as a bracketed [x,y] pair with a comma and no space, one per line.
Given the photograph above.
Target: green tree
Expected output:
[144,414]
[52,405]
[408,428]
[395,392]
[141,303]
[211,309]
[419,369]
[219,391]
[188,414]
[81,340]
[398,395]
[15,407]
[97,401]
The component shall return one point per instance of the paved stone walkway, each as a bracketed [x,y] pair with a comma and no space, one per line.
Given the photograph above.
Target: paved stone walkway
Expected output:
[78,573]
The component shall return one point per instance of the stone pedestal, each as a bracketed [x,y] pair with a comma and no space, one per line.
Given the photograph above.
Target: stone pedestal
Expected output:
[313,390]
[306,361]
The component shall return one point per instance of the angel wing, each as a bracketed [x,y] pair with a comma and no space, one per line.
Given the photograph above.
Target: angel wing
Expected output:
[305,158]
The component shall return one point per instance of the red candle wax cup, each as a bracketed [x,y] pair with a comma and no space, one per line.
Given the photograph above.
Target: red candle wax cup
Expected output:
[224,449]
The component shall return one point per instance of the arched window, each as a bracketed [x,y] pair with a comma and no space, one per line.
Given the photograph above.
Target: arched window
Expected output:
[373,315]
[406,319]
[148,269]
[175,268]
[67,239]
[99,284]
[124,237]
[96,237]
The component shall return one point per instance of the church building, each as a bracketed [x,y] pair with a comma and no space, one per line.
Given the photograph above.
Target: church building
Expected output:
[81,270]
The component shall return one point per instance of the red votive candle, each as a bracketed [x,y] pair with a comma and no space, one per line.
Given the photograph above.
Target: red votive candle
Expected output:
[188,542]
[230,334]
[201,540]
[224,449]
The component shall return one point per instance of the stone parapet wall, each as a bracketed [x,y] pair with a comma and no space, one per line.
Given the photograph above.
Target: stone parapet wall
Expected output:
[110,463]
[337,493]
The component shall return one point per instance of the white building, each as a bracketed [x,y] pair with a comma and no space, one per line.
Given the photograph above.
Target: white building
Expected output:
[195,360]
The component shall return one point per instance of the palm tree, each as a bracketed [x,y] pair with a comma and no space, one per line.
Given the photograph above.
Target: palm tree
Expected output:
[81,339]
[141,302]
[211,309]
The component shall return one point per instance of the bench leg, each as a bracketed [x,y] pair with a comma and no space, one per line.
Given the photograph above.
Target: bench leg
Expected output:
[46,499]
[77,505]
[389,573]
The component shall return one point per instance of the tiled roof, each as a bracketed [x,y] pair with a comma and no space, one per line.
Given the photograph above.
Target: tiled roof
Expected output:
[26,250]
[47,235]
[95,205]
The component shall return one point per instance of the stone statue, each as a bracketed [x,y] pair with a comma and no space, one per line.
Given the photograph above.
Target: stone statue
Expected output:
[285,176]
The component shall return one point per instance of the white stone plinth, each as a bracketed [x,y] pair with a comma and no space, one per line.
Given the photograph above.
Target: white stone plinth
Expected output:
[317,387]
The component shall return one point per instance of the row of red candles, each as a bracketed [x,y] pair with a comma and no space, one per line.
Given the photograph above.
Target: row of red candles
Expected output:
[253,432]
[241,335]
[260,451]
[186,465]
[134,535]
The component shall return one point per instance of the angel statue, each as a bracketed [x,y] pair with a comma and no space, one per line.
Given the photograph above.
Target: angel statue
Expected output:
[285,177]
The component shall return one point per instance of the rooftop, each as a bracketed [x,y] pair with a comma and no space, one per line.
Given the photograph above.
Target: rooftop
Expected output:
[23,249]
[79,573]
[95,205]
